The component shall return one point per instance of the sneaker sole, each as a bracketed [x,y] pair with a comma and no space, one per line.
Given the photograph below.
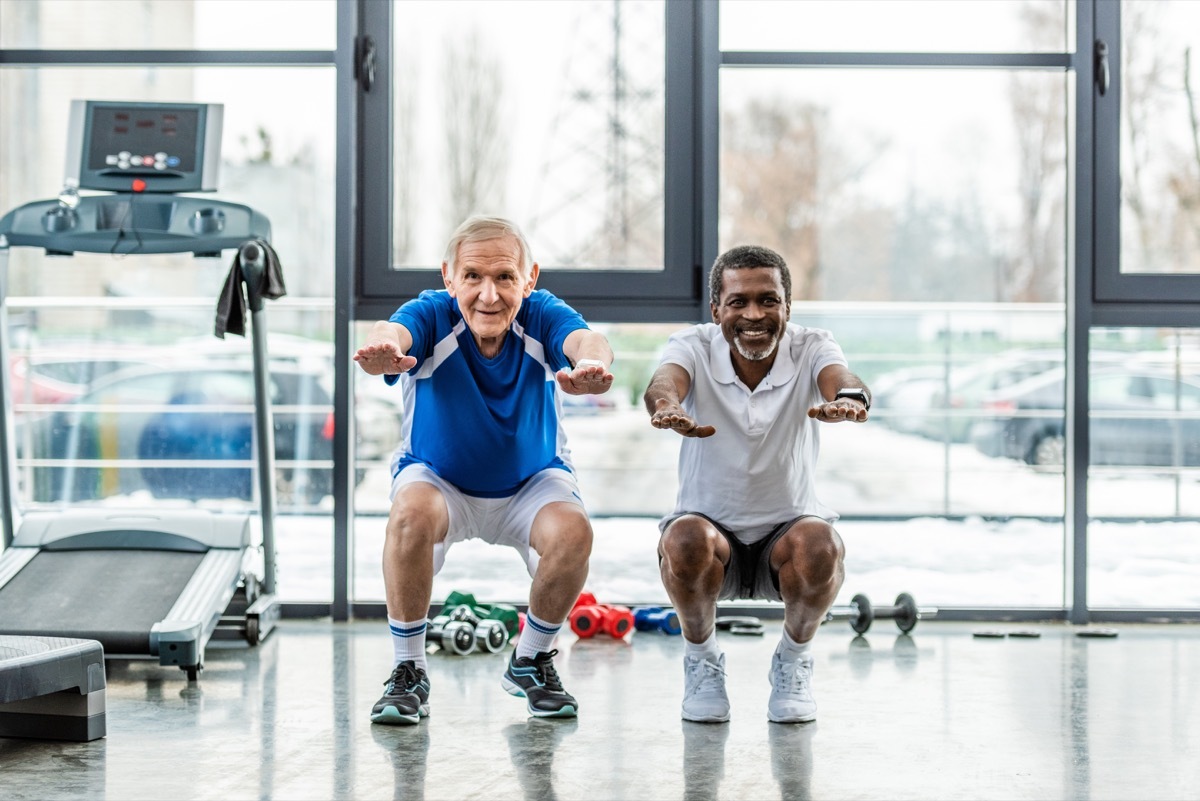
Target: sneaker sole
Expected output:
[792,718]
[390,716]
[706,718]
[514,689]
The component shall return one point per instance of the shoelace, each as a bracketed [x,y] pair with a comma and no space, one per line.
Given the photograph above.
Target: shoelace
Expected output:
[710,673]
[404,677]
[544,662]
[794,676]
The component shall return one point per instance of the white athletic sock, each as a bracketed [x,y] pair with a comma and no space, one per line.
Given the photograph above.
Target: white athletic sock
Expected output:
[789,650]
[537,636]
[703,650]
[408,642]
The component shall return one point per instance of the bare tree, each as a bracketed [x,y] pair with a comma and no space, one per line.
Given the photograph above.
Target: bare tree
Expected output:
[475,141]
[771,181]
[404,158]
[1035,271]
[785,176]
[1160,164]
[1185,186]
[1142,79]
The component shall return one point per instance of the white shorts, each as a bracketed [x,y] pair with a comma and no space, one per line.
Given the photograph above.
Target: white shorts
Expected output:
[499,521]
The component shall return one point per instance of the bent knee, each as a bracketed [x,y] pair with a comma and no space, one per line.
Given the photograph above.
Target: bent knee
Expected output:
[418,514]
[690,540]
[562,529]
[816,550]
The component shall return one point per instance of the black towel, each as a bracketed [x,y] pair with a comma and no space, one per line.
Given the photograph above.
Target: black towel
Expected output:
[231,305]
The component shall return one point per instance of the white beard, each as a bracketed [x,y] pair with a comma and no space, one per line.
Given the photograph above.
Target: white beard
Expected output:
[756,355]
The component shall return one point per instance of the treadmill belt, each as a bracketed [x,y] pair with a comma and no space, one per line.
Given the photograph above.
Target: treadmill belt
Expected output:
[111,596]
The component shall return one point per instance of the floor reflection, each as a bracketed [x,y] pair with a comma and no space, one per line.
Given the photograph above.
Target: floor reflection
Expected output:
[703,759]
[792,758]
[408,749]
[531,745]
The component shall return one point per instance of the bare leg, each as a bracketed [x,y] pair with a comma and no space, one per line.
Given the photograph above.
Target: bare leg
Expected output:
[562,536]
[694,555]
[418,520]
[809,560]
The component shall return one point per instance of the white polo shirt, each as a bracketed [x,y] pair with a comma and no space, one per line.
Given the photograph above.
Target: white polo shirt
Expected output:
[756,471]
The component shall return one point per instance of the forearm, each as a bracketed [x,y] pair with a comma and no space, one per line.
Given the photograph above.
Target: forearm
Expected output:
[587,344]
[837,377]
[387,332]
[662,393]
[385,351]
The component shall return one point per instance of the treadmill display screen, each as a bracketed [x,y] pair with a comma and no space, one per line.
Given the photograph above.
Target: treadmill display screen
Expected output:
[151,138]
[120,146]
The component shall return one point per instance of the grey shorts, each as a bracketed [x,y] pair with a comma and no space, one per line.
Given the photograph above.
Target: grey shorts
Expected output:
[748,576]
[499,521]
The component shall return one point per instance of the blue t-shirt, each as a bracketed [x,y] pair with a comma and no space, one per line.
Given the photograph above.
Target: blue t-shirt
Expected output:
[484,425]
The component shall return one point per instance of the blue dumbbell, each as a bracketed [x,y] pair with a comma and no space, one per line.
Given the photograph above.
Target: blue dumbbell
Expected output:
[655,617]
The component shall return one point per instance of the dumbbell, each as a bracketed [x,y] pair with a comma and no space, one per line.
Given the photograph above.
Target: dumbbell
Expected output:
[649,618]
[589,618]
[861,614]
[490,635]
[505,613]
[735,624]
[454,636]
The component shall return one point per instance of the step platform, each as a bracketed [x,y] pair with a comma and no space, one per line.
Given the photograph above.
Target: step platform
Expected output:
[52,688]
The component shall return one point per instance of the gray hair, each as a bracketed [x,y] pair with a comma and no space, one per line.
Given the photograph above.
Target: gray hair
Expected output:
[745,257]
[480,228]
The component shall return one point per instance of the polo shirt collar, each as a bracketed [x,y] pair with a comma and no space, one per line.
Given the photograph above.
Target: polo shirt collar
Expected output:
[782,371]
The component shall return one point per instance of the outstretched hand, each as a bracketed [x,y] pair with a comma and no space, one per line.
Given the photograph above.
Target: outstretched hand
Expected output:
[836,411]
[383,358]
[588,377]
[675,419]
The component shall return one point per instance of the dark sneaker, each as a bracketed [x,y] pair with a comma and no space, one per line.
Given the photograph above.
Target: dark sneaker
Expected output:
[406,697]
[537,681]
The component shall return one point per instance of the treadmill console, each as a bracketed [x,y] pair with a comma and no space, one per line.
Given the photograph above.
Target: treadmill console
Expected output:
[144,147]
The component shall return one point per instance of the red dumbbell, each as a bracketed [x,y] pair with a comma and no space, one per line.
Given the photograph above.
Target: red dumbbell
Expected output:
[589,618]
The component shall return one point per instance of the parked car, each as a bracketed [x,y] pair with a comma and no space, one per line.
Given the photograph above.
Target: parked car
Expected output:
[901,398]
[1139,417]
[945,407]
[170,429]
[970,384]
[66,370]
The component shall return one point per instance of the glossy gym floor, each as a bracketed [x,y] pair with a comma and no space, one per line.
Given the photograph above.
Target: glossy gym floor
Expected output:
[940,714]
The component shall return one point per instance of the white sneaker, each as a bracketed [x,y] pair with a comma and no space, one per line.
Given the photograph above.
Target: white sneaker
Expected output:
[791,691]
[704,697]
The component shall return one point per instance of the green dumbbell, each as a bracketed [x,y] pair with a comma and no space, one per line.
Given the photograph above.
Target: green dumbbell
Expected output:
[505,613]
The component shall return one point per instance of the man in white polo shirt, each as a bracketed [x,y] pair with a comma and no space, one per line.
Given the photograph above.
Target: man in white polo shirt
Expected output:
[747,392]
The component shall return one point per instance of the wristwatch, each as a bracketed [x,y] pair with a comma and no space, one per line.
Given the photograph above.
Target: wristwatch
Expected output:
[859,394]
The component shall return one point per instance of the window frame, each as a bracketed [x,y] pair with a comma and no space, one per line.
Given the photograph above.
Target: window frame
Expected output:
[1123,299]
[673,294]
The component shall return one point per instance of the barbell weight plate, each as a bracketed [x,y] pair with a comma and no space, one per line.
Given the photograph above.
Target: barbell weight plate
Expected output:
[906,615]
[861,621]
[495,636]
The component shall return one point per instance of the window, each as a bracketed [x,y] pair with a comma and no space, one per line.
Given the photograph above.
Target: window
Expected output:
[933,26]
[1148,219]
[554,115]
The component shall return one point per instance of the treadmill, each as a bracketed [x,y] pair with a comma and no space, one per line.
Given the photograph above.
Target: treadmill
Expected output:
[146,583]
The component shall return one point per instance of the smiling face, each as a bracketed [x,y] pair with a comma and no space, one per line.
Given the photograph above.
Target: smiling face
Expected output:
[489,283]
[752,311]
